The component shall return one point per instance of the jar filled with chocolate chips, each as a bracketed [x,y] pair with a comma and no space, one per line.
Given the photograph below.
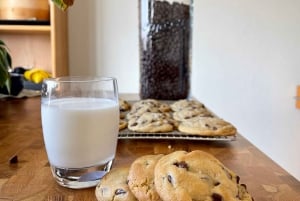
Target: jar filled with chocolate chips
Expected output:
[165,33]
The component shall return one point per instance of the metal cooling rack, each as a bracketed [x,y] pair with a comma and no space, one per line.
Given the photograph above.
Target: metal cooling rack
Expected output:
[126,134]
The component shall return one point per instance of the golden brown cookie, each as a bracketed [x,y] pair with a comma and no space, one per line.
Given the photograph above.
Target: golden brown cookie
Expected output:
[141,178]
[184,103]
[162,107]
[138,111]
[124,105]
[122,115]
[122,124]
[196,175]
[207,126]
[113,186]
[150,122]
[190,113]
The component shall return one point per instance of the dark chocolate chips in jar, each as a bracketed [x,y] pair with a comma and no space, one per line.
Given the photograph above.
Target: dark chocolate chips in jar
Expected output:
[165,31]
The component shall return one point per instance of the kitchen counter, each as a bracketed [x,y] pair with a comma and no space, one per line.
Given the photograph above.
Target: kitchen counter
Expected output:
[25,173]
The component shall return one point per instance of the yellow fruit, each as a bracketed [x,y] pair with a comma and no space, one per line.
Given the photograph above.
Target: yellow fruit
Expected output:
[37,78]
[27,75]
[36,75]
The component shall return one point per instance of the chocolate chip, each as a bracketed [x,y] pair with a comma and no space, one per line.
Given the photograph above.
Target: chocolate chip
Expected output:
[216,197]
[217,183]
[134,124]
[208,179]
[122,110]
[215,128]
[120,191]
[244,185]
[170,179]
[237,179]
[144,122]
[227,173]
[181,164]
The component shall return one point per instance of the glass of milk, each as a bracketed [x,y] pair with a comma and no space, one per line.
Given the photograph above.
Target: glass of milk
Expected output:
[80,120]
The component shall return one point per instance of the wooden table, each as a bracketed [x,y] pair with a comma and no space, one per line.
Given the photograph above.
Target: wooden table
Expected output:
[25,172]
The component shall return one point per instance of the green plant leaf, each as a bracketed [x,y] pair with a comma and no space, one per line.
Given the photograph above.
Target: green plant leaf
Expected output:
[5,64]
[5,56]
[4,74]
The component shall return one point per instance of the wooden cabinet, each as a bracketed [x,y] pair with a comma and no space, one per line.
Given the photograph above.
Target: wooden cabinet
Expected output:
[42,46]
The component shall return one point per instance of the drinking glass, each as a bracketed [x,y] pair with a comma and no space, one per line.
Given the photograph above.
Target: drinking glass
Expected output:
[80,119]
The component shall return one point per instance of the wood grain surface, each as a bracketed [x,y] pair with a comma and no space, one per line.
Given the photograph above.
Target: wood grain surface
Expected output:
[25,172]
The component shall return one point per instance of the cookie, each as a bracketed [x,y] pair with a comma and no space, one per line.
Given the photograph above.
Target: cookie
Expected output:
[184,103]
[122,124]
[138,111]
[141,178]
[113,186]
[122,115]
[243,193]
[162,107]
[207,126]
[190,113]
[124,105]
[151,122]
[196,175]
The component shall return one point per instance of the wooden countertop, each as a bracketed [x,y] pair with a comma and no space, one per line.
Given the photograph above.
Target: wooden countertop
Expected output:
[25,172]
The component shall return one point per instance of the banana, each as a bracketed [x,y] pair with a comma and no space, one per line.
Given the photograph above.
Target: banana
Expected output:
[36,75]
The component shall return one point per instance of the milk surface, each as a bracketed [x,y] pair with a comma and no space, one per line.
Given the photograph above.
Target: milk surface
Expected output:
[80,132]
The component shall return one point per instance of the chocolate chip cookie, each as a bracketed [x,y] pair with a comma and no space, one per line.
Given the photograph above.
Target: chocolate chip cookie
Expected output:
[207,126]
[113,186]
[196,175]
[151,122]
[124,105]
[185,103]
[141,178]
[138,111]
[122,124]
[162,107]
[191,113]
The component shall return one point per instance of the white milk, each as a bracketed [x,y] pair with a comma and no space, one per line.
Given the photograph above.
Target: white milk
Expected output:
[80,132]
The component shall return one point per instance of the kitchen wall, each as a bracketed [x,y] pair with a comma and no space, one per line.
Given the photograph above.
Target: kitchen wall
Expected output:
[246,62]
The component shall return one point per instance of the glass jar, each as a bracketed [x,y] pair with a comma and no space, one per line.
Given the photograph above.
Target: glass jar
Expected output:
[165,33]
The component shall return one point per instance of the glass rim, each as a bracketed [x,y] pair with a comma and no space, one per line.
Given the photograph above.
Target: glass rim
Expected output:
[79,79]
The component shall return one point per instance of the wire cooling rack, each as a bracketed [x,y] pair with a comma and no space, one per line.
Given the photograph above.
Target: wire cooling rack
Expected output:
[175,135]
